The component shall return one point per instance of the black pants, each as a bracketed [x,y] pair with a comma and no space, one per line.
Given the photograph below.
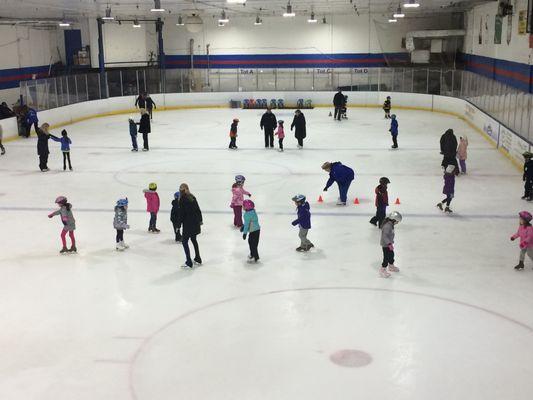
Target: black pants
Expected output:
[120,235]
[450,160]
[145,141]
[380,216]
[253,242]
[185,243]
[153,221]
[338,113]
[395,141]
[43,161]
[280,141]
[300,142]
[2,148]
[177,232]
[66,156]
[447,200]
[388,257]
[528,185]
[387,113]
[269,137]
[150,112]
[233,143]
[28,129]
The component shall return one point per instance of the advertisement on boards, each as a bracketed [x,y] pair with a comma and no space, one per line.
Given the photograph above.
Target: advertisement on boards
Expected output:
[482,121]
[512,144]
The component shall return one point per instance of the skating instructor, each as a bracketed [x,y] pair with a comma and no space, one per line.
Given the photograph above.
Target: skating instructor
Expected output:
[341,174]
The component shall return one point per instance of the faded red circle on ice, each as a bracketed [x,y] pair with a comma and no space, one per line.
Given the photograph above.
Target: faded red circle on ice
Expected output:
[351,358]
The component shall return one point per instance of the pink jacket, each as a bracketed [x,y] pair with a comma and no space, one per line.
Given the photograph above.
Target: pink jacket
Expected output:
[461,149]
[238,196]
[525,233]
[280,132]
[152,201]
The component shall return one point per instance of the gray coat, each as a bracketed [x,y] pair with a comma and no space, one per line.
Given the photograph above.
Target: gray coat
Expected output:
[121,218]
[387,234]
[69,223]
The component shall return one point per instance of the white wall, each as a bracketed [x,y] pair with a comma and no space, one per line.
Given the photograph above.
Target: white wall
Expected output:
[517,50]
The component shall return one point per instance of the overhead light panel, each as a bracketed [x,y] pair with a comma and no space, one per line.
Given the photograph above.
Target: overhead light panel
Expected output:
[136,24]
[108,16]
[157,7]
[399,13]
[180,21]
[288,12]
[411,4]
[258,21]
[312,20]
[236,1]
[221,24]
[392,20]
[223,18]
[64,24]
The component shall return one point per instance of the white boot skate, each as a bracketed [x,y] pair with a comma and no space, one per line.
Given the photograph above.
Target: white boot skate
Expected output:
[383,273]
[124,245]
[393,268]
[119,247]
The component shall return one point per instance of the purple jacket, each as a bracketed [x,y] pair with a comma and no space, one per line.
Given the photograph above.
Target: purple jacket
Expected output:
[304,216]
[449,184]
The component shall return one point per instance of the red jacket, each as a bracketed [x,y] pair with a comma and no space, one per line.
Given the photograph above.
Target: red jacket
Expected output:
[382,196]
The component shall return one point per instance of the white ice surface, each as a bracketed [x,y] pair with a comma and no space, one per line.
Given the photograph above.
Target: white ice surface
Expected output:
[455,323]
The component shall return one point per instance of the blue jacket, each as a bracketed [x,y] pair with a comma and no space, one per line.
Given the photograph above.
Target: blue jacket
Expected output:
[31,117]
[393,127]
[65,142]
[340,173]
[251,222]
[133,128]
[304,216]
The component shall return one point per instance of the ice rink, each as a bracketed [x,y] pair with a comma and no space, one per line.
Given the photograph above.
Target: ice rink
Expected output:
[455,323]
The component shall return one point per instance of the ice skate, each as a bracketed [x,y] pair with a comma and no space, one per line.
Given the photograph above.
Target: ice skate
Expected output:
[4,151]
[300,249]
[448,210]
[145,149]
[197,261]
[250,257]
[393,268]
[341,203]
[187,266]
[134,149]
[519,266]
[155,230]
[124,245]
[383,273]
[73,249]
[119,247]
[439,206]
[252,260]
[280,150]
[70,168]
[63,250]
[311,245]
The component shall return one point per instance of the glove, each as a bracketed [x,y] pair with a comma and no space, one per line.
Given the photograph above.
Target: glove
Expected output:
[512,238]
[244,236]
[250,195]
[242,228]
[325,189]
[294,223]
[391,247]
[50,215]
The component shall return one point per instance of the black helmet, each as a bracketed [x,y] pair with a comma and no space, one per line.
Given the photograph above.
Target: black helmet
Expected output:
[384,180]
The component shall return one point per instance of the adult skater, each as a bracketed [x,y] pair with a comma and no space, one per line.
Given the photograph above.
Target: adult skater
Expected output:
[140,102]
[190,219]
[341,174]
[448,148]
[42,146]
[150,104]
[145,128]
[31,119]
[5,111]
[268,124]
[299,124]
[339,101]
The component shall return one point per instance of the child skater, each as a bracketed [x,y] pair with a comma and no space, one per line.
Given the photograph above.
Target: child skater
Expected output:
[525,233]
[449,188]
[69,224]
[237,199]
[462,152]
[528,176]
[233,134]
[65,148]
[387,107]
[133,134]
[252,229]
[174,216]
[394,131]
[281,134]
[382,201]
[152,206]
[303,221]
[387,244]
[120,223]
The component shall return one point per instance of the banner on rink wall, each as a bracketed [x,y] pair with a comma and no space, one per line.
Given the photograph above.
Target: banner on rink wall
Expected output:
[512,144]
[482,121]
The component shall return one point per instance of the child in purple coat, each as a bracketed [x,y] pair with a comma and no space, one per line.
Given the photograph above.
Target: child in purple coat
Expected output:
[449,188]
[65,148]
[303,221]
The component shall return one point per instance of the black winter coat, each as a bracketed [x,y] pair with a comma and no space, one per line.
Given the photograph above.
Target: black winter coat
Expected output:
[339,100]
[141,102]
[189,215]
[150,104]
[42,142]
[144,124]
[528,170]
[268,121]
[299,123]
[174,212]
[448,144]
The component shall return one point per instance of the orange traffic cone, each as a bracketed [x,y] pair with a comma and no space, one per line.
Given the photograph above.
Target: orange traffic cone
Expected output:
[356,201]
[397,201]
[320,199]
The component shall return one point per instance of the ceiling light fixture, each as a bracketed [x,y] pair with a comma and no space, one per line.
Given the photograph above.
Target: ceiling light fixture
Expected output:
[312,20]
[411,4]
[108,16]
[288,12]
[393,20]
[221,24]
[136,24]
[157,7]
[223,18]
[180,21]
[399,13]
[258,21]
[64,24]
[236,1]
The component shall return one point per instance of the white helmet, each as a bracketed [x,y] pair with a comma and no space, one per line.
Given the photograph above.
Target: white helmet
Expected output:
[395,216]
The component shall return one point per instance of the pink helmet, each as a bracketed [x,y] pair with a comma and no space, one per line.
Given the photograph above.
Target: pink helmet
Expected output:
[248,205]
[61,200]
[525,215]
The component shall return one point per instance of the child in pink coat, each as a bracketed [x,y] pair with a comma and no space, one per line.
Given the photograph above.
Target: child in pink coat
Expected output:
[152,206]
[236,200]
[462,153]
[281,134]
[525,233]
